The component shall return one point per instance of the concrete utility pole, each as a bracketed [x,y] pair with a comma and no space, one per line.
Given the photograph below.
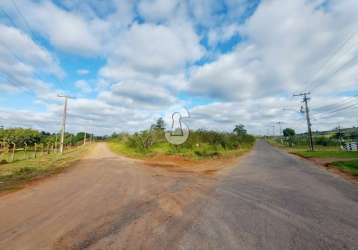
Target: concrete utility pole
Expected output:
[273,130]
[339,134]
[305,100]
[64,120]
[280,123]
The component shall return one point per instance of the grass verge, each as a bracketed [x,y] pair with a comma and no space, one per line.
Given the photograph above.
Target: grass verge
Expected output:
[320,151]
[16,174]
[326,154]
[350,167]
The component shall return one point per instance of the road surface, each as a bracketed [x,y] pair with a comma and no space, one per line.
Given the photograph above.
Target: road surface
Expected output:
[270,200]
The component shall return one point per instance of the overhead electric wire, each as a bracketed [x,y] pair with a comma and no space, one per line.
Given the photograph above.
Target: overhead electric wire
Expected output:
[328,60]
[20,61]
[8,17]
[328,114]
[23,18]
[334,105]
[39,77]
[336,71]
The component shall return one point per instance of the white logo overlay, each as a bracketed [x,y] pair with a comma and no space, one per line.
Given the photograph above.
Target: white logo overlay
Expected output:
[177,131]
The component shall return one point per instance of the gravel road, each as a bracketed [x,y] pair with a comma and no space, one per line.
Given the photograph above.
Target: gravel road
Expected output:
[269,200]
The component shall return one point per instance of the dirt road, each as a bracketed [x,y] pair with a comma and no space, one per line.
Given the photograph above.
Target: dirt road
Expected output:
[271,200]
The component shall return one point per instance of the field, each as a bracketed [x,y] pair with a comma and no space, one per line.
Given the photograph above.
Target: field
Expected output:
[15,174]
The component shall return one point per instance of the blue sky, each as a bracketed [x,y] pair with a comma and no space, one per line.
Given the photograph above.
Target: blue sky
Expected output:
[130,62]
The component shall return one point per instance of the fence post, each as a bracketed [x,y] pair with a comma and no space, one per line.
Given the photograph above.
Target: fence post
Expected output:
[48,148]
[25,152]
[35,154]
[13,151]
[6,152]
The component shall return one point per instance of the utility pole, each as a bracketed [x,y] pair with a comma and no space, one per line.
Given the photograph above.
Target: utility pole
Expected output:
[339,134]
[84,139]
[305,100]
[280,123]
[273,130]
[64,120]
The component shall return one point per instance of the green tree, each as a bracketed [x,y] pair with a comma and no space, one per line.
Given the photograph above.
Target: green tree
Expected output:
[159,125]
[240,130]
[289,132]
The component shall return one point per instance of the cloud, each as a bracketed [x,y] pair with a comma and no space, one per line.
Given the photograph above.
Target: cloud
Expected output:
[17,48]
[157,48]
[280,60]
[157,10]
[138,95]
[162,54]
[83,86]
[82,72]
[65,30]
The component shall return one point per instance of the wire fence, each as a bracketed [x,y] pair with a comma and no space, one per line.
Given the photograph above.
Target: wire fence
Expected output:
[320,142]
[9,152]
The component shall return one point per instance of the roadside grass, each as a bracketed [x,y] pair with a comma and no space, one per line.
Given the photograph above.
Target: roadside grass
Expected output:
[326,153]
[320,151]
[16,174]
[350,167]
[204,151]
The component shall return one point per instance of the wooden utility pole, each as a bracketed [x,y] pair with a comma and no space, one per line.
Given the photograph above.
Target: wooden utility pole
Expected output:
[309,125]
[64,121]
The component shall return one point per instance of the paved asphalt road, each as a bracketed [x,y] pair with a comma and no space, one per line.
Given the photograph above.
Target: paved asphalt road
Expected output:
[270,200]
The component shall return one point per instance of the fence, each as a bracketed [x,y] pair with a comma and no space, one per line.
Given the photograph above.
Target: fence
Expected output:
[350,146]
[10,153]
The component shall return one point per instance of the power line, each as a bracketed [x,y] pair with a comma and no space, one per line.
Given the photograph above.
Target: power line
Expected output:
[14,54]
[326,62]
[338,106]
[8,17]
[335,72]
[328,115]
[23,17]
[334,105]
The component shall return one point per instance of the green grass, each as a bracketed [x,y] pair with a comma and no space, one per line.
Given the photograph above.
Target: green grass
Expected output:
[320,151]
[347,166]
[203,152]
[14,175]
[326,154]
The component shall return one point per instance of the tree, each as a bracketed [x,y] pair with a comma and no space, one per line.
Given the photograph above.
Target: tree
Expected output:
[289,132]
[159,125]
[240,130]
